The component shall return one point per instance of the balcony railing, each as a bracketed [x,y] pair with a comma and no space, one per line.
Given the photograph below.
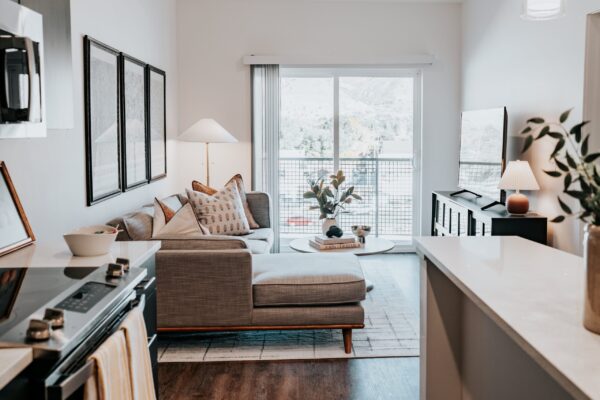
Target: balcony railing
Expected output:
[385,184]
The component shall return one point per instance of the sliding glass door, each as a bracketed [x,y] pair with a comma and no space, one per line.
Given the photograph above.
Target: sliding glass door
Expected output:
[364,122]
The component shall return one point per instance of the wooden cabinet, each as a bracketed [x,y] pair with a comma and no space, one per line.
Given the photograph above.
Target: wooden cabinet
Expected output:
[462,216]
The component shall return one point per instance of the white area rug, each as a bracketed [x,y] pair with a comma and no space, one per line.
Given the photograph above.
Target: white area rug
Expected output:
[391,330]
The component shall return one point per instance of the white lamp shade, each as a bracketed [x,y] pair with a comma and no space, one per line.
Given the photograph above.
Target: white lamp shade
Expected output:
[543,9]
[207,130]
[518,176]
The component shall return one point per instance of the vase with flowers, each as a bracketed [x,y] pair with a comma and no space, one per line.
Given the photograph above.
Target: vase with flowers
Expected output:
[578,168]
[332,198]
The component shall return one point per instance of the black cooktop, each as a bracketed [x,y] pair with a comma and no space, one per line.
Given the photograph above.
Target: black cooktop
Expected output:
[24,290]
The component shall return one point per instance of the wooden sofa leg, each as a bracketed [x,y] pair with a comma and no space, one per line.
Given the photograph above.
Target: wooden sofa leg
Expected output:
[347,340]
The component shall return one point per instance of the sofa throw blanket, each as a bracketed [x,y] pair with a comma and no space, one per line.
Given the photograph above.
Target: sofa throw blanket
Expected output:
[222,213]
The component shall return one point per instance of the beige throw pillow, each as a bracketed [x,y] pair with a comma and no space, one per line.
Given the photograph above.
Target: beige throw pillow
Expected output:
[222,213]
[168,222]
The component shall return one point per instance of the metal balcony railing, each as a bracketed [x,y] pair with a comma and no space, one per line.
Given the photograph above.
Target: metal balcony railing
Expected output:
[385,184]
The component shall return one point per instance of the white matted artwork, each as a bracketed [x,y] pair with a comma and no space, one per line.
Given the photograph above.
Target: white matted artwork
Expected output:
[157,123]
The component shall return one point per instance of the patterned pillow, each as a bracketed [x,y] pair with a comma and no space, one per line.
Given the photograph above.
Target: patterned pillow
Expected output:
[239,181]
[169,222]
[222,213]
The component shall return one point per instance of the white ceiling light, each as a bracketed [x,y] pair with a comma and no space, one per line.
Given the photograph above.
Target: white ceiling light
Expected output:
[538,10]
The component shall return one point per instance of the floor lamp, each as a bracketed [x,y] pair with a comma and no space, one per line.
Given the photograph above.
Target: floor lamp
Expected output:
[207,131]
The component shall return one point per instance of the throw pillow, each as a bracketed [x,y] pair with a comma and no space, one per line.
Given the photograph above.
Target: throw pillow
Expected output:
[222,213]
[169,222]
[239,181]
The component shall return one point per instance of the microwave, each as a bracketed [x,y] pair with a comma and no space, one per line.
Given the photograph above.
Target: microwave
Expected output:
[22,109]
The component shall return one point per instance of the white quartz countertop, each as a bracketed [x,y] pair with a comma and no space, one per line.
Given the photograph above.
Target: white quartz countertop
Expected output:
[534,293]
[57,254]
[12,362]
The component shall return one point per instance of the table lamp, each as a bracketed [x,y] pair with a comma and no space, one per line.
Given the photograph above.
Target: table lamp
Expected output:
[518,176]
[207,131]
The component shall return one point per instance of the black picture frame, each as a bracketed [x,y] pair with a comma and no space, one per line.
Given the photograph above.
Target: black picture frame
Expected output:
[156,113]
[102,96]
[132,182]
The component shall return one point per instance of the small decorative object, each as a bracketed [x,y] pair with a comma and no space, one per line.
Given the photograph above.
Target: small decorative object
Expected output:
[133,122]
[518,176]
[331,198]
[579,171]
[207,131]
[540,10]
[157,122]
[15,231]
[102,124]
[361,232]
[334,231]
[91,241]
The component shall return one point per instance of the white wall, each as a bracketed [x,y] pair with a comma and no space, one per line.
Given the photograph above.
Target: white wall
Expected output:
[49,173]
[534,68]
[214,35]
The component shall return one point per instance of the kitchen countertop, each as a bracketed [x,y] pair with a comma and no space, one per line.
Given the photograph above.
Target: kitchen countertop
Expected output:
[534,293]
[12,362]
[57,254]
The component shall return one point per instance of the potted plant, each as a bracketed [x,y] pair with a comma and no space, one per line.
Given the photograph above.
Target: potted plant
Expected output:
[579,171]
[332,198]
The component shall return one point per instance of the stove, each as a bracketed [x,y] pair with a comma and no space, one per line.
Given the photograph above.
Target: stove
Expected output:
[63,314]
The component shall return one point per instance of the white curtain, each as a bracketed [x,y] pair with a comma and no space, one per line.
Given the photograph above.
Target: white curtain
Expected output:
[265,137]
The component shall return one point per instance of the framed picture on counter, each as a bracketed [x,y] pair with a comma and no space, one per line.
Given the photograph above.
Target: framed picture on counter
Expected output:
[157,123]
[134,118]
[102,121]
[15,231]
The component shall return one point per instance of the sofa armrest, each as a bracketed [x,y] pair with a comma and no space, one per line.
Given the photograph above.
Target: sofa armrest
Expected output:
[201,242]
[203,288]
[260,205]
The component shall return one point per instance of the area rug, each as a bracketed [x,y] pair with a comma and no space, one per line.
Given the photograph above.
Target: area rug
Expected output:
[391,330]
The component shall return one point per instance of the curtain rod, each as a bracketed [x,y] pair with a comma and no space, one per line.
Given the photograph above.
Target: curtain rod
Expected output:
[396,61]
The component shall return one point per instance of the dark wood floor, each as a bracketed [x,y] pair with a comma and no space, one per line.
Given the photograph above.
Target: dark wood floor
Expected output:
[355,379]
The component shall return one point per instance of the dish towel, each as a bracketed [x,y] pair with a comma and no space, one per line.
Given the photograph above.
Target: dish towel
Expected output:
[140,367]
[111,380]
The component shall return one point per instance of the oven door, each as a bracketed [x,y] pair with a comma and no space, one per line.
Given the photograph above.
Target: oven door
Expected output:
[20,89]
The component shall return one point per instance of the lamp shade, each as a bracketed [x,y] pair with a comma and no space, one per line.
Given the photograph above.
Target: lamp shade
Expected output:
[207,130]
[518,176]
[543,9]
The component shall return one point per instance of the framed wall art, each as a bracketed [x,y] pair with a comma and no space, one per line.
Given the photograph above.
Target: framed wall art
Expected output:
[157,132]
[15,231]
[134,118]
[102,121]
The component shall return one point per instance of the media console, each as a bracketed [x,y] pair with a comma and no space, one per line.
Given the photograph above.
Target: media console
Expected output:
[463,216]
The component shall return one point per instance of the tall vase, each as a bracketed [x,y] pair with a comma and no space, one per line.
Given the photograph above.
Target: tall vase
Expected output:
[328,223]
[591,313]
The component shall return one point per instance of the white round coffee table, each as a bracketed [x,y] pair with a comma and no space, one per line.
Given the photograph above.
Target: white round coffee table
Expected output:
[373,245]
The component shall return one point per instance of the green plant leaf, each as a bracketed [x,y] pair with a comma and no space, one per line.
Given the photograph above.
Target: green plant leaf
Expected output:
[559,145]
[309,195]
[585,145]
[526,130]
[570,161]
[554,174]
[357,197]
[578,194]
[568,181]
[596,176]
[591,157]
[543,132]
[555,135]
[564,207]
[558,219]
[528,142]
[561,166]
[535,120]
[576,130]
[565,115]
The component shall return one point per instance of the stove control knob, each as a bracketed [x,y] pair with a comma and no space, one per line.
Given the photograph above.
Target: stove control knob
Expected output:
[124,262]
[115,270]
[55,316]
[39,330]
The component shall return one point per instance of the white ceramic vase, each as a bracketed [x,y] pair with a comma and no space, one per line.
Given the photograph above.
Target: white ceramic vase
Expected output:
[328,223]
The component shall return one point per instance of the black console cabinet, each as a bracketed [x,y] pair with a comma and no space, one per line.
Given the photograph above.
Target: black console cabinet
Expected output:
[462,216]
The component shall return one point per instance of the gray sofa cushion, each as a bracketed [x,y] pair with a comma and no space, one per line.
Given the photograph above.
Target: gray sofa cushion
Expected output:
[347,314]
[307,279]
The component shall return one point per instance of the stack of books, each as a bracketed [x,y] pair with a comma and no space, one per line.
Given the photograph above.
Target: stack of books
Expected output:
[324,243]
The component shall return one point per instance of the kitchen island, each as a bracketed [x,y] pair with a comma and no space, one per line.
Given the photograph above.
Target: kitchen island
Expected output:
[501,318]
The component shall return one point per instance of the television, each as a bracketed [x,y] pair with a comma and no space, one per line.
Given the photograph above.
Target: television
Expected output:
[483,152]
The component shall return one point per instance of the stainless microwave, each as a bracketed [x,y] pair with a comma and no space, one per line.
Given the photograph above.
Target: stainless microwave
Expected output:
[22,110]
